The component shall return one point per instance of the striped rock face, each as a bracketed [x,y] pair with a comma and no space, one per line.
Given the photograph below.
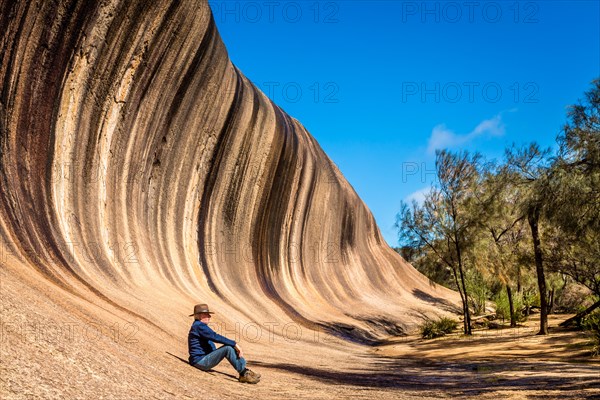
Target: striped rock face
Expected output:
[142,173]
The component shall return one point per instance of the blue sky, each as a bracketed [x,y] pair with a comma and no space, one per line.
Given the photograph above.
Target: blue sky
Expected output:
[382,84]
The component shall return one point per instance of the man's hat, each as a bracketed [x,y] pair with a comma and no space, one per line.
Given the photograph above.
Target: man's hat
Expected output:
[201,308]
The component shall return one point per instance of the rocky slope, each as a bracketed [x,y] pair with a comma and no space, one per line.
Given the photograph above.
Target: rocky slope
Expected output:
[141,173]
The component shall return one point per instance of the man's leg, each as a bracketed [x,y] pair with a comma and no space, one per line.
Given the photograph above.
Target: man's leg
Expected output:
[212,359]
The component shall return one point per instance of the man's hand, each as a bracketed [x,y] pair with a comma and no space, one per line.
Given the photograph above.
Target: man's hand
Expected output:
[238,350]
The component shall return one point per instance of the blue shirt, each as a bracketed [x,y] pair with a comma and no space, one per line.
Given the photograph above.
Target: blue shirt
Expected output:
[200,341]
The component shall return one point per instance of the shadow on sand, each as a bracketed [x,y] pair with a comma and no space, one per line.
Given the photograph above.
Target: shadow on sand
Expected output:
[468,378]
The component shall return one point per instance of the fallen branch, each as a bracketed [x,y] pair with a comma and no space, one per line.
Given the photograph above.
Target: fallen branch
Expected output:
[577,318]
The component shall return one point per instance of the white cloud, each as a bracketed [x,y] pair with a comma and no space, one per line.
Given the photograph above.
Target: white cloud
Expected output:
[418,196]
[442,137]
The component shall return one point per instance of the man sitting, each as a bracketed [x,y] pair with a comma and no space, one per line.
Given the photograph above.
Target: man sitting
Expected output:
[203,353]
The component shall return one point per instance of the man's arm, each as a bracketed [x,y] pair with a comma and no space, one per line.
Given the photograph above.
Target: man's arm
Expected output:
[206,332]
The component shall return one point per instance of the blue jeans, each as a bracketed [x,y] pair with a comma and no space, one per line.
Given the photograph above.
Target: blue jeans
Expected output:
[212,359]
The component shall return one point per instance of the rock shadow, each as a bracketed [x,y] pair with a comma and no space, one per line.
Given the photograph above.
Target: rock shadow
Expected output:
[364,336]
[437,301]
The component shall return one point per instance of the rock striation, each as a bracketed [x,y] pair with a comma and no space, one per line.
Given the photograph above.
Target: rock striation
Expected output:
[141,172]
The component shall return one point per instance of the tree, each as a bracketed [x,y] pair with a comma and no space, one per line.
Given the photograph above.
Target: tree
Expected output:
[445,223]
[575,202]
[503,223]
[529,168]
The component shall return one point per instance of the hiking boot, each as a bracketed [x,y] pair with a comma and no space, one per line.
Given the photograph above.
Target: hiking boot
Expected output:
[255,374]
[249,377]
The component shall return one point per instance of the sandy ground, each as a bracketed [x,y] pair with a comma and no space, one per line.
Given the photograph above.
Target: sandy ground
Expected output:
[40,363]
[503,363]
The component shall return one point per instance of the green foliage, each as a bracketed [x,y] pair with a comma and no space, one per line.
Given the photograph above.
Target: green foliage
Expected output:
[484,225]
[574,208]
[478,288]
[530,298]
[444,227]
[503,306]
[441,327]
[591,323]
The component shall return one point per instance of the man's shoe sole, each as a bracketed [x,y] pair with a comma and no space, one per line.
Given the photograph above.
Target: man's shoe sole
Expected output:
[249,381]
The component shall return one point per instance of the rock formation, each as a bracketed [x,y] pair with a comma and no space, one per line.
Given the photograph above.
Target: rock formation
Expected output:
[141,173]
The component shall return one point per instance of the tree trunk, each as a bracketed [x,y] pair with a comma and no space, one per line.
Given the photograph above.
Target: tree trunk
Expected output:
[513,318]
[467,321]
[464,300]
[551,301]
[582,314]
[482,309]
[533,218]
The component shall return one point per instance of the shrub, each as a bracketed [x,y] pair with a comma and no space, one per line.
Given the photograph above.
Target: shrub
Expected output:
[503,306]
[478,291]
[433,329]
[591,323]
[530,298]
